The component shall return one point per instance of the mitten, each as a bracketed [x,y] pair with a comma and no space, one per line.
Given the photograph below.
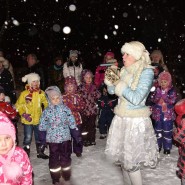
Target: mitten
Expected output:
[42,137]
[112,74]
[27,117]
[102,104]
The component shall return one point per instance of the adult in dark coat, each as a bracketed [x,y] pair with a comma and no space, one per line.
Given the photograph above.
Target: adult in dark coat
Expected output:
[6,80]
[34,66]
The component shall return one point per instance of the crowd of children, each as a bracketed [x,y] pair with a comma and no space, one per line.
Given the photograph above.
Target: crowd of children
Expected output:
[63,117]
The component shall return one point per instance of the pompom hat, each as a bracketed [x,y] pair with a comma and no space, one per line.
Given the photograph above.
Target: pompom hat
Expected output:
[134,49]
[30,78]
[6,127]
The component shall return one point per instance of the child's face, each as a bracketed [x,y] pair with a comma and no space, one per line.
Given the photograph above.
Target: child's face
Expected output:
[108,57]
[59,62]
[156,58]
[55,100]
[164,84]
[2,97]
[6,144]
[35,84]
[88,79]
[70,88]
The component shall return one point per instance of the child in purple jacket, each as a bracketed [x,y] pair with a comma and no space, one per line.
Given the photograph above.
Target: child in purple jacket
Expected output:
[163,113]
[90,94]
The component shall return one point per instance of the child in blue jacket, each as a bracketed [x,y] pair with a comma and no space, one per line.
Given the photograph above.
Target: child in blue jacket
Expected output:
[59,125]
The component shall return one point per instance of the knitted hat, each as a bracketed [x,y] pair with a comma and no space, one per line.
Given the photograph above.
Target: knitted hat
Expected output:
[2,90]
[73,53]
[31,77]
[6,126]
[109,53]
[134,49]
[70,80]
[165,76]
[180,107]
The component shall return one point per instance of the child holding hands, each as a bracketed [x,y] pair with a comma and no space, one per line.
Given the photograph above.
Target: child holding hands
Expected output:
[163,113]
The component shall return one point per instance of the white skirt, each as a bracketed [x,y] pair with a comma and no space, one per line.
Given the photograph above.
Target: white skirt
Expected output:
[132,142]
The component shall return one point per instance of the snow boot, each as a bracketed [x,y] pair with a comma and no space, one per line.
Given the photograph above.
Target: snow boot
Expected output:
[136,177]
[66,173]
[40,151]
[55,175]
[27,149]
[126,177]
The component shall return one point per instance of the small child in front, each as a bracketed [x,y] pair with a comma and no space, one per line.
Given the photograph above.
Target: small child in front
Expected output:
[59,124]
[15,167]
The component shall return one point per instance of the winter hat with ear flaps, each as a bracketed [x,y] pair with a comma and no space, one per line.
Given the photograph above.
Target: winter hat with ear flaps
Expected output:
[30,78]
[133,48]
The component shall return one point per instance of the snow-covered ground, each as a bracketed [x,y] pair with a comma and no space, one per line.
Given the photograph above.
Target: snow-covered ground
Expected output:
[93,169]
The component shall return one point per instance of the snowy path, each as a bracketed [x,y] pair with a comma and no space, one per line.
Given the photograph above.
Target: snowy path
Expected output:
[92,168]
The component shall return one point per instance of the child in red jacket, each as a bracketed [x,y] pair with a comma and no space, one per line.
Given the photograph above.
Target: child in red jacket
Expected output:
[8,110]
[75,102]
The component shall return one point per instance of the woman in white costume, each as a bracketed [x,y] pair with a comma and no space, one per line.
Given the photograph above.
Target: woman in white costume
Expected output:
[131,139]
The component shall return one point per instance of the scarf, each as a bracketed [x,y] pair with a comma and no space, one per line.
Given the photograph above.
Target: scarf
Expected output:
[28,98]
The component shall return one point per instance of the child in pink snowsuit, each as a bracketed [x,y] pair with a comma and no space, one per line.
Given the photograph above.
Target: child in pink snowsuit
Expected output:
[15,167]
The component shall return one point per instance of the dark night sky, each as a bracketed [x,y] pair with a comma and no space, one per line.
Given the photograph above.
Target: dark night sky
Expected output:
[157,23]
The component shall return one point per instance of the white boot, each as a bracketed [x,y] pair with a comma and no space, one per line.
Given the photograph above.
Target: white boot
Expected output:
[126,178]
[136,177]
